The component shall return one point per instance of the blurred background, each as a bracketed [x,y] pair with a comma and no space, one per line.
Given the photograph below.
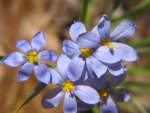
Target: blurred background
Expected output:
[21,19]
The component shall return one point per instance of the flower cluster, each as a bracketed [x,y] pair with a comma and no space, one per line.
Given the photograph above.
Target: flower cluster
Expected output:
[88,71]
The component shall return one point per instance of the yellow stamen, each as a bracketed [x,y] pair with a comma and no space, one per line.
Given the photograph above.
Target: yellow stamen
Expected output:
[32,56]
[68,86]
[108,43]
[86,52]
[104,93]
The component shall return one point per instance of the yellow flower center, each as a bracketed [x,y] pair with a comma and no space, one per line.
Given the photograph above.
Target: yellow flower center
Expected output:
[32,56]
[108,43]
[86,52]
[68,86]
[104,93]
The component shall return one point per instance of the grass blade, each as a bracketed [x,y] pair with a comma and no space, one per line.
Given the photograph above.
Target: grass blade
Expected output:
[84,10]
[36,91]
[1,58]
[138,106]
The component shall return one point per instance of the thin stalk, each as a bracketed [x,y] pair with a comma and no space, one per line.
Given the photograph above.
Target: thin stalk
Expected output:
[84,10]
[136,11]
[141,42]
[143,50]
[138,106]
[142,85]
[35,92]
[1,58]
[96,109]
[140,70]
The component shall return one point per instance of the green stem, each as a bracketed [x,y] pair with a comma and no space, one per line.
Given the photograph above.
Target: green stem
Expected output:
[141,42]
[140,70]
[143,50]
[143,85]
[84,10]
[36,91]
[116,4]
[96,109]
[136,11]
[1,58]
[138,106]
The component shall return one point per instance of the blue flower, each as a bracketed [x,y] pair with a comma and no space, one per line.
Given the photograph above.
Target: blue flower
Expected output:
[111,50]
[90,47]
[111,95]
[109,98]
[68,89]
[31,58]
[108,93]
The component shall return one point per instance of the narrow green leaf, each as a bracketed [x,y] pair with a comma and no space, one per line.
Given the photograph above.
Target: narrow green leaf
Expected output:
[140,70]
[141,85]
[139,92]
[137,88]
[36,91]
[96,109]
[143,50]
[127,108]
[116,4]
[1,57]
[84,10]
[138,106]
[144,42]
[136,11]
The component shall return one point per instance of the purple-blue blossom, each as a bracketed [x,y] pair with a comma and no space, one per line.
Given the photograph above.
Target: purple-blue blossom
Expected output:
[108,93]
[31,58]
[110,97]
[99,49]
[68,88]
[111,50]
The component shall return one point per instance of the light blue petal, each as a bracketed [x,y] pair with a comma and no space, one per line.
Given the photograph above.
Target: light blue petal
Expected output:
[75,68]
[70,104]
[70,48]
[109,107]
[120,95]
[62,65]
[98,68]
[124,30]
[126,52]
[95,30]
[104,54]
[14,59]
[38,41]
[23,45]
[48,55]
[87,94]
[88,40]
[76,29]
[53,98]
[118,72]
[25,72]
[103,27]
[56,77]
[42,73]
